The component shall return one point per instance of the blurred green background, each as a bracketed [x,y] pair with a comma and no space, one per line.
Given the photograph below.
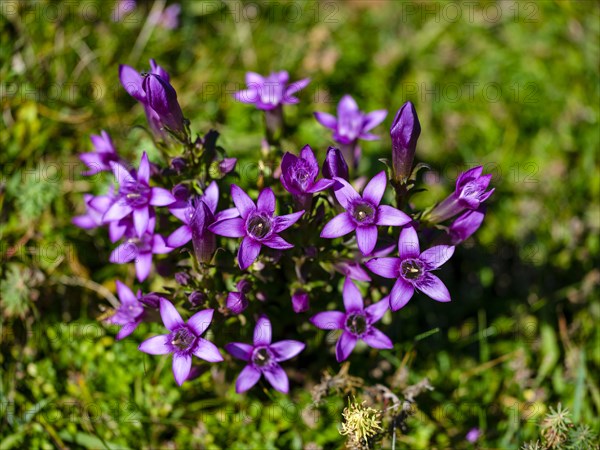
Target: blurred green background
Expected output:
[513,86]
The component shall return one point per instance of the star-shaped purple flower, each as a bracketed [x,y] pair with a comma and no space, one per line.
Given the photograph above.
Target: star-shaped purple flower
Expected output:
[356,323]
[256,224]
[135,196]
[363,214]
[104,153]
[269,92]
[183,341]
[263,358]
[129,314]
[412,270]
[298,174]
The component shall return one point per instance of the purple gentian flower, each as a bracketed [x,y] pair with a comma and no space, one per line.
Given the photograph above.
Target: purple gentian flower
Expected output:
[129,314]
[236,301]
[363,214]
[298,175]
[335,164]
[197,216]
[135,196]
[465,225]
[257,225]
[356,323]
[141,250]
[470,192]
[263,358]
[100,159]
[412,270]
[300,301]
[268,93]
[183,341]
[404,133]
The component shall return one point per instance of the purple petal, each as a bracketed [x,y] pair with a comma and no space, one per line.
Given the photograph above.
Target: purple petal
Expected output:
[228,213]
[262,331]
[143,265]
[207,351]
[85,222]
[288,161]
[182,364]
[159,246]
[346,194]
[239,350]
[229,227]
[161,197]
[366,238]
[248,252]
[253,78]
[116,230]
[141,217]
[126,330]
[401,294]
[169,315]
[266,201]
[247,95]
[277,242]
[211,196]
[121,174]
[376,339]
[156,345]
[374,118]
[308,155]
[247,378]
[329,320]
[125,294]
[321,185]
[434,257]
[286,349]
[132,82]
[375,189]
[296,86]
[242,202]
[408,244]
[433,287]
[143,173]
[327,120]
[277,377]
[385,267]
[117,211]
[124,253]
[340,225]
[200,321]
[93,161]
[347,106]
[352,297]
[389,216]
[286,221]
[368,137]
[180,236]
[345,345]
[377,310]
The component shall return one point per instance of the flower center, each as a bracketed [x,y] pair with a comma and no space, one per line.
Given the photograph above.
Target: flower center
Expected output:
[135,194]
[259,226]
[357,324]
[182,339]
[261,357]
[411,269]
[363,213]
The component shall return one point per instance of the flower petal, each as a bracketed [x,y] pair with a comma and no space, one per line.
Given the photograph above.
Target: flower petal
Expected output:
[242,201]
[247,95]
[143,265]
[401,293]
[266,201]
[327,120]
[117,211]
[126,330]
[376,339]
[389,216]
[329,320]
[377,310]
[143,173]
[375,189]
[253,78]
[239,350]
[296,86]
[169,315]
[124,253]
[247,378]
[308,155]
[262,331]
[366,238]
[180,237]
[121,174]
[141,217]
[345,345]
[161,197]
[182,364]
[286,349]
[248,252]
[156,345]
[345,194]
[286,221]
[211,196]
[229,227]
[125,294]
[277,242]
[207,351]
[433,287]
[339,226]
[347,106]
[159,246]
[277,377]
[408,243]
[434,257]
[374,118]
[228,213]
[200,321]
[352,297]
[320,185]
[132,82]
[385,267]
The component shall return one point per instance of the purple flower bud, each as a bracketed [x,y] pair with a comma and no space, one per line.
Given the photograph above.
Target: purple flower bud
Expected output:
[243,286]
[300,301]
[335,164]
[181,192]
[182,278]
[178,164]
[203,240]
[151,300]
[162,98]
[236,302]
[465,225]
[227,165]
[404,132]
[196,298]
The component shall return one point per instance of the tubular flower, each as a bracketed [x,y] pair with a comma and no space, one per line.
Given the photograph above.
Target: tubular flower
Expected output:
[363,213]
[183,341]
[356,323]
[263,358]
[256,224]
[412,270]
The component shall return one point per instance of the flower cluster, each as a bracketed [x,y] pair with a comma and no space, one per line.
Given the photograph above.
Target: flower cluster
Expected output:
[315,232]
